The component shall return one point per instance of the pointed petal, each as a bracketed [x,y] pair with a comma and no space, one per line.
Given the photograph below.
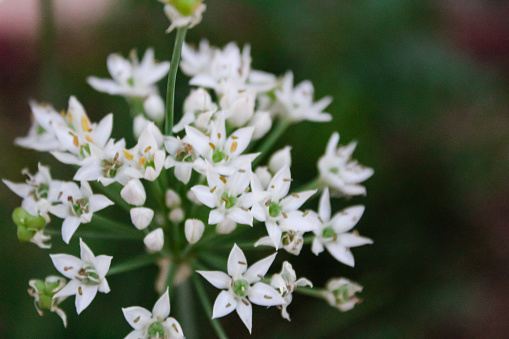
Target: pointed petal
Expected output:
[317,246]
[70,289]
[324,209]
[265,295]
[280,183]
[237,263]
[69,226]
[245,312]
[98,202]
[102,132]
[218,279]
[274,233]
[102,264]
[258,270]
[347,218]
[241,216]
[137,316]
[86,296]
[198,140]
[21,190]
[296,200]
[341,254]
[353,240]
[162,306]
[67,265]
[86,253]
[225,304]
[203,194]
[215,217]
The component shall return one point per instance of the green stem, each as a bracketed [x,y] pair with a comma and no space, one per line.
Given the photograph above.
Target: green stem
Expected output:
[132,264]
[186,310]
[50,79]
[268,142]
[172,76]
[310,292]
[207,307]
[110,225]
[213,261]
[171,275]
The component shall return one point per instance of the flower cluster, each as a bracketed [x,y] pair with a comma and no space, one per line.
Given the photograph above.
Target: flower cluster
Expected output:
[205,176]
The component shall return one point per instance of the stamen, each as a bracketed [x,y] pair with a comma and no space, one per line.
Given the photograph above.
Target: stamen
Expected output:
[227,157]
[233,148]
[213,189]
[223,180]
[69,116]
[295,195]
[148,149]
[60,195]
[75,141]
[175,327]
[267,203]
[305,213]
[272,186]
[70,199]
[116,157]
[225,200]
[287,180]
[67,268]
[267,297]
[80,291]
[234,137]
[142,161]
[242,170]
[83,272]
[128,155]
[219,135]
[335,237]
[212,146]
[85,124]
[241,263]
[260,276]
[245,302]
[227,305]
[136,320]
[89,138]
[284,215]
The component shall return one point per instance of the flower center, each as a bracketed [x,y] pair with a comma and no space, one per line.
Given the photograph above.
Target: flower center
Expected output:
[274,209]
[229,200]
[218,156]
[328,232]
[240,288]
[156,330]
[88,276]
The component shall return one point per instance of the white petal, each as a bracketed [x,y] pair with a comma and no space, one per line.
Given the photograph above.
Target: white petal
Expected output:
[218,279]
[224,304]
[353,240]
[84,299]
[61,211]
[341,253]
[215,217]
[265,295]
[173,326]
[274,233]
[98,202]
[245,313]
[66,264]
[194,230]
[258,270]
[102,132]
[136,334]
[86,253]
[295,201]
[203,194]
[70,289]
[347,219]
[21,190]
[66,158]
[280,183]
[102,264]
[317,246]
[324,209]
[198,140]
[241,216]
[136,316]
[141,217]
[237,263]
[183,171]
[162,306]
[69,226]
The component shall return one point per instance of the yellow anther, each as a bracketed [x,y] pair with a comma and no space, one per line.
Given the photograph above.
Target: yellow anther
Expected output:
[233,148]
[75,141]
[267,297]
[80,291]
[148,149]
[284,215]
[287,180]
[219,135]
[85,124]
[175,327]
[67,268]
[62,113]
[212,146]
[69,116]
[295,195]
[242,170]
[305,213]
[234,137]
[89,138]
[142,161]
[213,189]
[223,180]
[228,305]
[242,263]
[245,302]
[128,155]
[136,320]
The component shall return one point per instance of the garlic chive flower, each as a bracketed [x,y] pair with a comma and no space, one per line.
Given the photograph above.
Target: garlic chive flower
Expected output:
[333,233]
[340,293]
[155,324]
[87,275]
[242,286]
[43,292]
[183,13]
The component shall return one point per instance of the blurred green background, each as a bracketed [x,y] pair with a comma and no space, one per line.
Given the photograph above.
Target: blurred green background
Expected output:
[422,85]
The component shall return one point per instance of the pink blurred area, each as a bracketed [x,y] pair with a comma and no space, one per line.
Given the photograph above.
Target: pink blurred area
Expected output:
[20,19]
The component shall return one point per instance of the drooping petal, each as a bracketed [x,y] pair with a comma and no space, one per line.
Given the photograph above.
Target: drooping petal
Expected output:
[218,279]
[137,316]
[245,312]
[237,263]
[258,270]
[21,190]
[162,306]
[225,304]
[85,295]
[69,226]
[265,295]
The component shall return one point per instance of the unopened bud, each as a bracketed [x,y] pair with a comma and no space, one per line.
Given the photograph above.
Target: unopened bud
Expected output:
[264,176]
[176,215]
[340,293]
[226,226]
[280,159]
[172,199]
[134,193]
[154,240]
[154,107]
[185,7]
[262,122]
[141,217]
[24,219]
[194,230]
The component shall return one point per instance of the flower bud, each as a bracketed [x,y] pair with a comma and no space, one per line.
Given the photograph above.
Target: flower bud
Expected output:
[185,7]
[176,215]
[134,193]
[280,159]
[154,107]
[194,230]
[262,122]
[141,217]
[226,226]
[154,240]
[340,293]
[139,125]
[43,292]
[264,176]
[24,219]
[172,199]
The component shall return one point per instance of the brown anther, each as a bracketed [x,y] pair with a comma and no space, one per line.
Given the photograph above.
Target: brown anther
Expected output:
[106,162]
[67,268]
[295,195]
[284,215]
[136,320]
[267,203]
[234,137]
[89,138]
[80,291]
[75,141]
[227,157]
[175,327]
[188,149]
[225,200]
[233,147]
[244,208]
[335,237]
[83,272]
[116,157]
[148,149]
[212,146]
[213,189]
[141,162]
[78,278]
[242,263]
[242,170]
[267,297]
[60,195]
[305,213]
[227,305]
[219,135]
[260,276]
[247,189]
[70,199]
[223,180]
[355,232]
[287,180]
[245,302]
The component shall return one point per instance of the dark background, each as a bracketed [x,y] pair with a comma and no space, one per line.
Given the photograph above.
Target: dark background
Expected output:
[424,88]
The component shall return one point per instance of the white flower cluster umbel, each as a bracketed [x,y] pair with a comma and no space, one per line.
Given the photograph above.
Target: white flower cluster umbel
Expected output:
[205,179]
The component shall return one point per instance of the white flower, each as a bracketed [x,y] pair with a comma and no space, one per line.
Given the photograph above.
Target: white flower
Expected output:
[181,156]
[154,107]
[198,109]
[219,151]
[172,199]
[154,240]
[338,171]
[194,230]
[262,122]
[279,211]
[77,206]
[87,275]
[242,286]
[340,293]
[228,197]
[285,283]
[43,292]
[155,324]
[141,217]
[179,19]
[238,105]
[176,215]
[332,233]
[291,242]
[134,193]
[280,159]
[131,78]
[296,104]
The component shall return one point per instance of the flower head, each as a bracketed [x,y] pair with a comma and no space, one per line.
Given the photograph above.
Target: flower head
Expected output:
[183,13]
[88,275]
[43,292]
[340,293]
[155,324]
